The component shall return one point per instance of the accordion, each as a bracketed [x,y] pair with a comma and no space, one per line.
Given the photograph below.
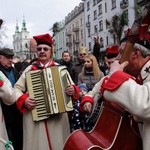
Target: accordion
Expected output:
[48,86]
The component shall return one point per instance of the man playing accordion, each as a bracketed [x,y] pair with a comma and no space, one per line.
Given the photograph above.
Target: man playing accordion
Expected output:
[50,133]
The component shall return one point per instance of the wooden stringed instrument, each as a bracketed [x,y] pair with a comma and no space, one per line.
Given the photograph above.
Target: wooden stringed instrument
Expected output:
[137,32]
[115,128]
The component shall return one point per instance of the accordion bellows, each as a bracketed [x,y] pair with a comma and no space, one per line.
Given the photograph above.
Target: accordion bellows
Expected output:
[48,86]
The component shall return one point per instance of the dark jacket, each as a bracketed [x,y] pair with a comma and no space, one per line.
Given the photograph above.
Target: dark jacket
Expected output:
[11,113]
[76,69]
[96,51]
[68,64]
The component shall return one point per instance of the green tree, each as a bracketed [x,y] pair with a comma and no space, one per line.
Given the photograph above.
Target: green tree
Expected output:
[117,24]
[55,28]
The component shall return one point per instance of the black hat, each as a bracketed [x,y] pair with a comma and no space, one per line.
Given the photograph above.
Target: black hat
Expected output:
[6,52]
[144,43]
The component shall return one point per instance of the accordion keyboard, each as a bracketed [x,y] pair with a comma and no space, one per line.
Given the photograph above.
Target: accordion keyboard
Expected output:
[36,89]
[47,87]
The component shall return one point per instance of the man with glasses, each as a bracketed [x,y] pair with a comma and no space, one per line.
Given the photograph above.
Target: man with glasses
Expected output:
[131,89]
[80,62]
[12,116]
[49,133]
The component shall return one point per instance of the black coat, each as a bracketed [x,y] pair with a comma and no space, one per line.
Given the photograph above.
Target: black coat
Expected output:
[11,113]
[68,64]
[96,51]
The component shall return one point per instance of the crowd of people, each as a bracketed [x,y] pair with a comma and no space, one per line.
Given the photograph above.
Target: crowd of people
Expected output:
[129,89]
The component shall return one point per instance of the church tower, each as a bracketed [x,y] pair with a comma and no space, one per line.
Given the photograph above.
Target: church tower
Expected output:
[21,41]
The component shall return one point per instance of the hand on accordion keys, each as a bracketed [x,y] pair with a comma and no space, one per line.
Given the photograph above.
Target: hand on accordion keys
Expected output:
[29,103]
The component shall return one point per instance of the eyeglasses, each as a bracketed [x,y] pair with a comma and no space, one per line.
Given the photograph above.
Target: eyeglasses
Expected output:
[83,54]
[44,48]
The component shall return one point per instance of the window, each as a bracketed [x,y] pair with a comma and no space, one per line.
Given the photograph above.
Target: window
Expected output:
[98,1]
[100,9]
[74,37]
[76,25]
[89,32]
[95,14]
[81,34]
[88,6]
[88,18]
[95,29]
[94,2]
[81,22]
[113,4]
[100,25]
[126,16]
[77,37]
[107,40]
[73,26]
[105,7]
[88,21]
[90,46]
[107,24]
[101,42]
[26,45]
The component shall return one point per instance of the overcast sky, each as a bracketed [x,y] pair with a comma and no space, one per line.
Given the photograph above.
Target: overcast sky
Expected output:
[39,15]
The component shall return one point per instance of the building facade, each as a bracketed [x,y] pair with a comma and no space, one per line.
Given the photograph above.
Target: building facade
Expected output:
[90,19]
[60,44]
[21,42]
[73,33]
[98,18]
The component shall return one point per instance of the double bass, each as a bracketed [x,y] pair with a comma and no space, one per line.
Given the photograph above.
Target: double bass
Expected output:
[115,128]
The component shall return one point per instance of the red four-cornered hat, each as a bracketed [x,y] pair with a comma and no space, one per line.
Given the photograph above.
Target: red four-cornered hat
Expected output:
[112,51]
[44,39]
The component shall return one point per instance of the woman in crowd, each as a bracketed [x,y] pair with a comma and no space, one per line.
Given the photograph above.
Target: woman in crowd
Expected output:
[90,73]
